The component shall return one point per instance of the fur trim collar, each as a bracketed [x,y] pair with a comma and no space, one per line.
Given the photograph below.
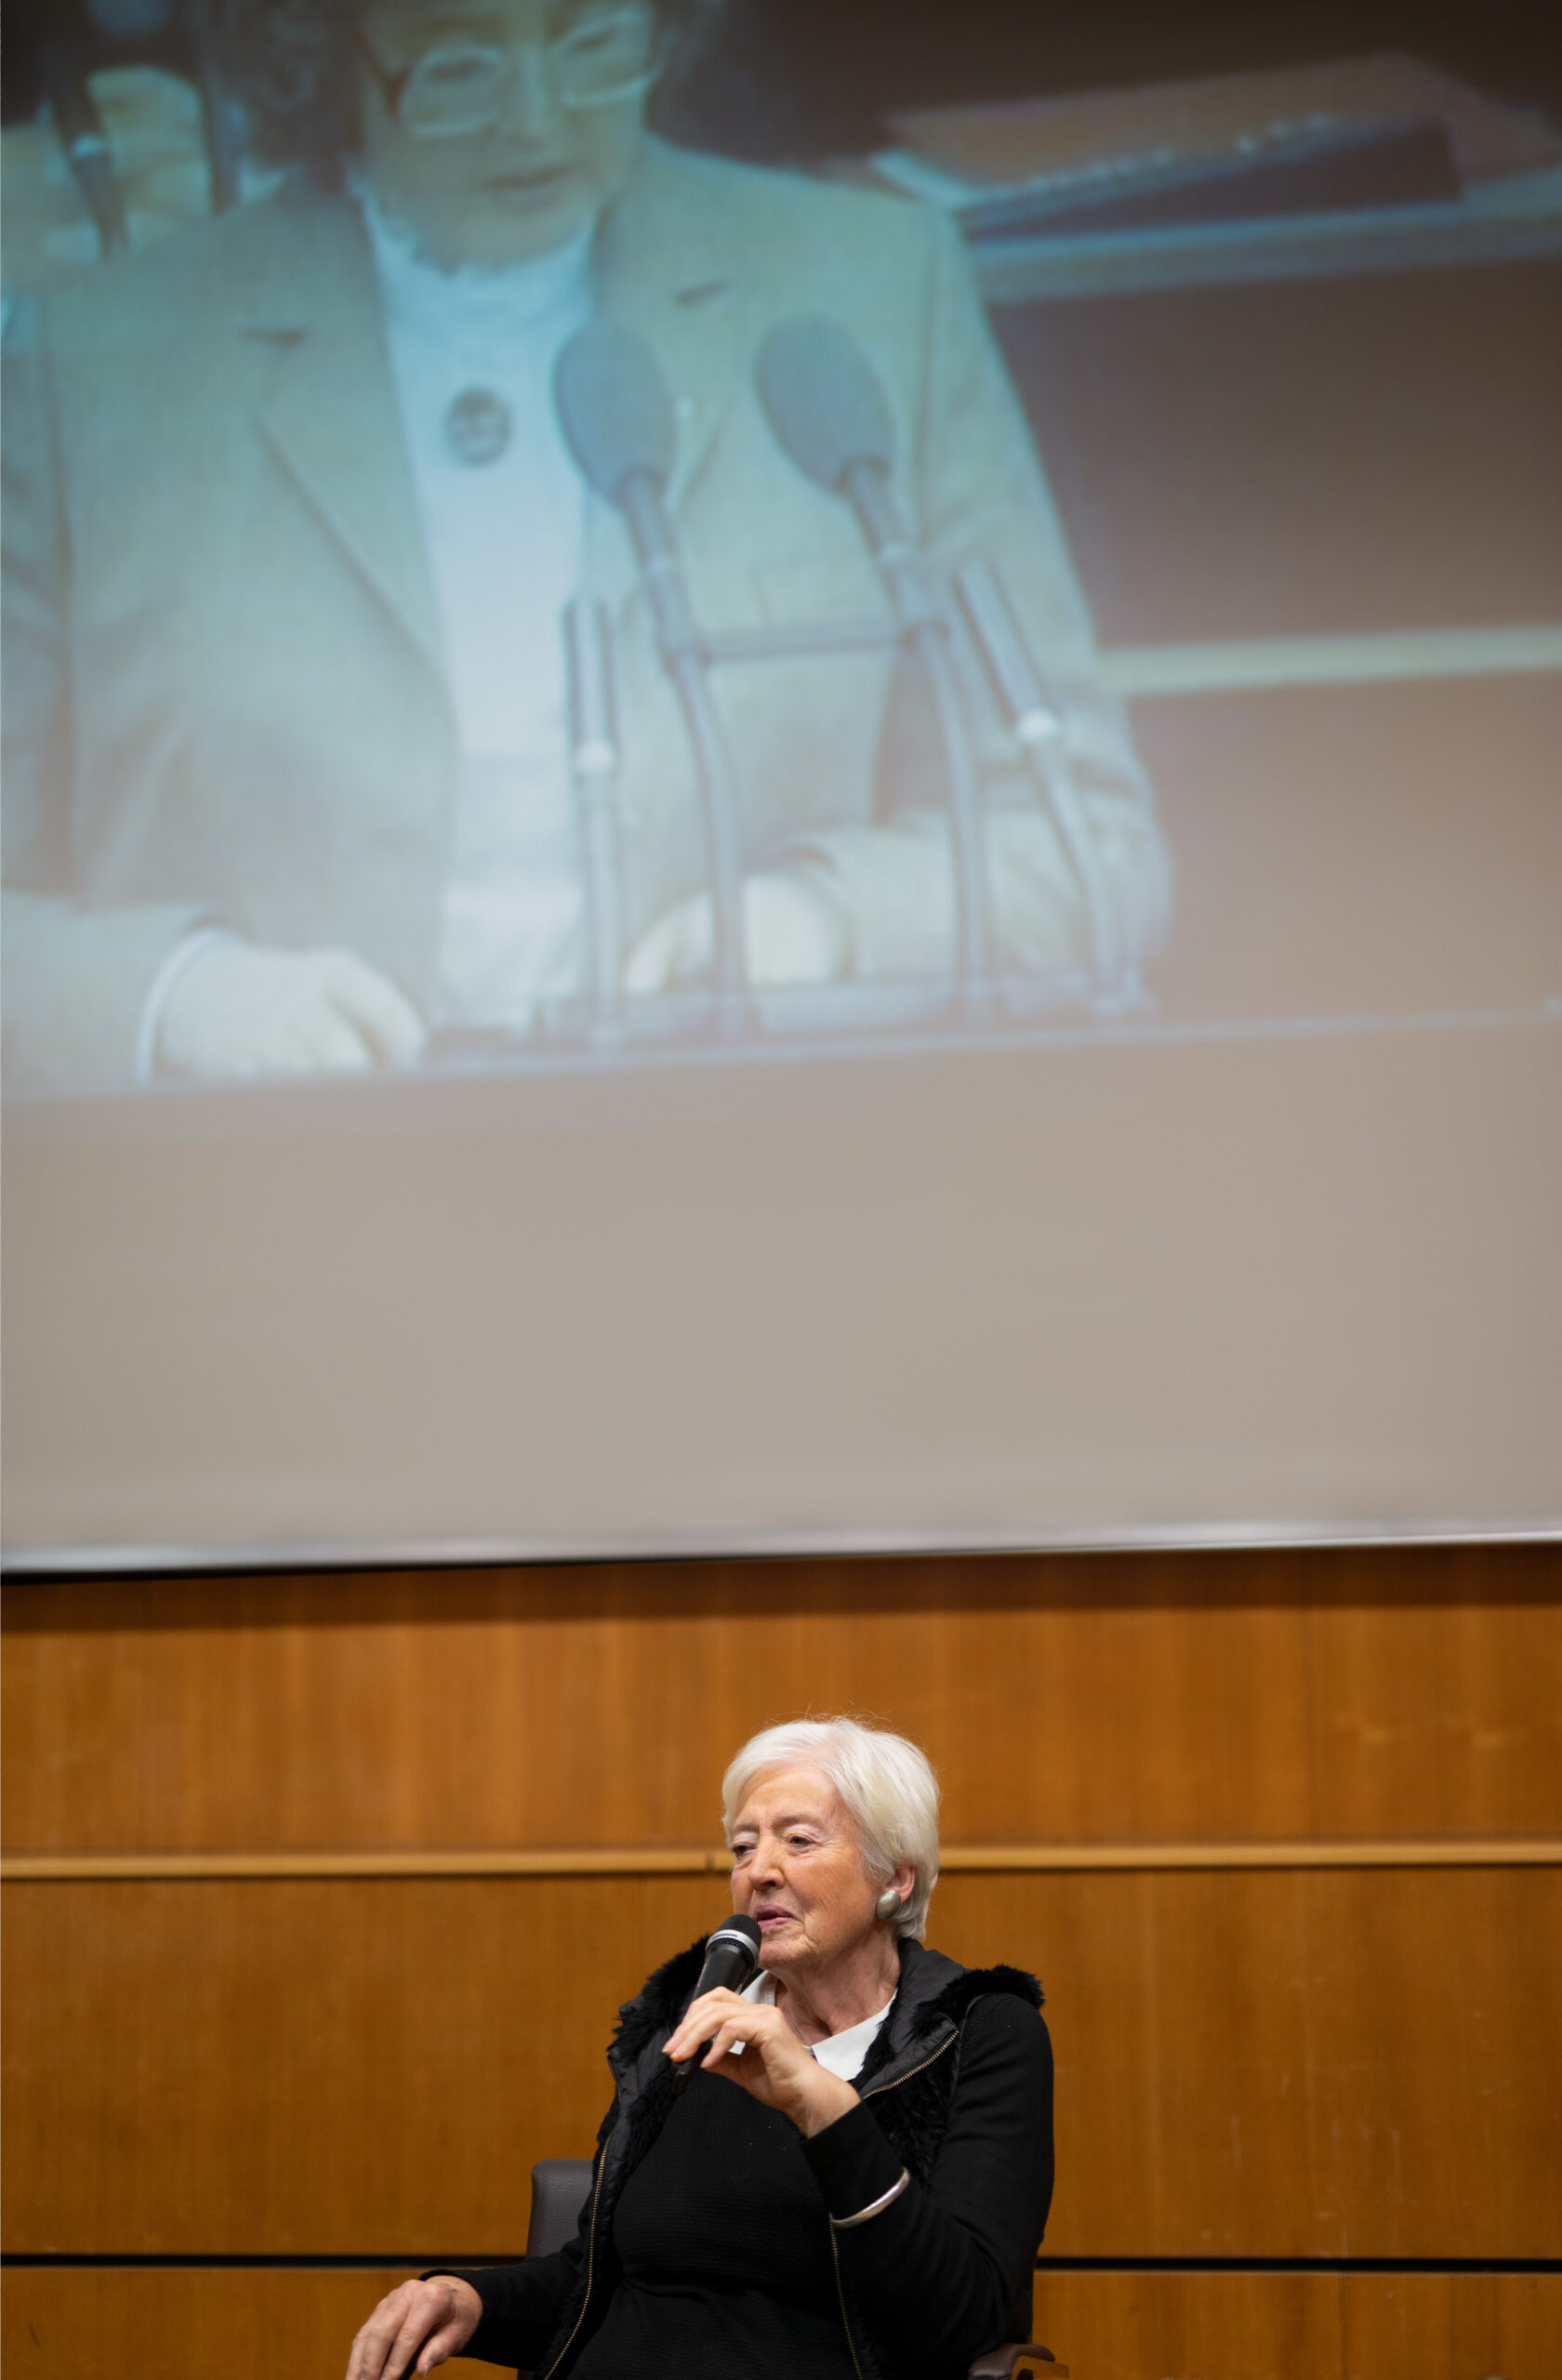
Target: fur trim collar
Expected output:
[933,1992]
[657,2005]
[974,1983]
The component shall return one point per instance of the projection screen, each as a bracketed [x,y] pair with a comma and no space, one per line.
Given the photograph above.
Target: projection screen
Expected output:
[720,838]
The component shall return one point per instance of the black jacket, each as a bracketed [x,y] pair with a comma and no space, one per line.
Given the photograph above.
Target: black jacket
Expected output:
[957,2090]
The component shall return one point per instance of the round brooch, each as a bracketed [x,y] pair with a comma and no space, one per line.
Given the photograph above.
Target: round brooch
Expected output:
[478,427]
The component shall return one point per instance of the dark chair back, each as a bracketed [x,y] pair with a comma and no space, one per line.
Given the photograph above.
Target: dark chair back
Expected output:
[560,2188]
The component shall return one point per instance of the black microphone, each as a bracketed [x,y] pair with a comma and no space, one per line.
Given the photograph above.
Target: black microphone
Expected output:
[830,414]
[616,414]
[80,128]
[732,1953]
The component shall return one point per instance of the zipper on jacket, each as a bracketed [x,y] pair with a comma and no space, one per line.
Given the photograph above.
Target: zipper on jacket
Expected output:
[590,2267]
[878,2089]
[841,2299]
[835,2252]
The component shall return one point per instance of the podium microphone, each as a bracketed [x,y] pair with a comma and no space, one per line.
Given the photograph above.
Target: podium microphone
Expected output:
[732,1953]
[617,415]
[831,416]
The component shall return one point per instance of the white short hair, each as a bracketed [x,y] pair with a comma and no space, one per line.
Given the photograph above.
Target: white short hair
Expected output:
[886,1783]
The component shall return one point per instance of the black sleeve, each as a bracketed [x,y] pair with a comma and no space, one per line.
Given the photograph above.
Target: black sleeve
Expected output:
[523,2303]
[938,2276]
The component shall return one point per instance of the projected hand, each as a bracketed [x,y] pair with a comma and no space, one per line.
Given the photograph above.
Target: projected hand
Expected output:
[421,2324]
[239,1009]
[756,2048]
[793,931]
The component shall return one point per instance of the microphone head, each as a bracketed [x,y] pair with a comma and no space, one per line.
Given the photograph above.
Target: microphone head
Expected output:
[614,409]
[741,1929]
[825,401]
[732,1953]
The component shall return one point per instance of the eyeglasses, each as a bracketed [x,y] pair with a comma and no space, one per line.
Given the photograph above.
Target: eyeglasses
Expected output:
[608,56]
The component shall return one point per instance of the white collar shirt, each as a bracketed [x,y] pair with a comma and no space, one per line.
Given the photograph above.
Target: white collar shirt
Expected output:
[504,538]
[843,2053]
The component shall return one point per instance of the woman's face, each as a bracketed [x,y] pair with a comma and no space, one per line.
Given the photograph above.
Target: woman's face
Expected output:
[796,1871]
[532,180]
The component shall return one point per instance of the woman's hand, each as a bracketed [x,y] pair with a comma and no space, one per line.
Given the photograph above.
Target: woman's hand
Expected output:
[793,932]
[419,2325]
[239,1011]
[773,2065]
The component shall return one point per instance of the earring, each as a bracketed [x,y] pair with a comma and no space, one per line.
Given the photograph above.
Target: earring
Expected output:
[887,1903]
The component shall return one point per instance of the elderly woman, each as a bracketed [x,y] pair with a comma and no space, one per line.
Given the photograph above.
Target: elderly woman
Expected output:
[290,526]
[853,2185]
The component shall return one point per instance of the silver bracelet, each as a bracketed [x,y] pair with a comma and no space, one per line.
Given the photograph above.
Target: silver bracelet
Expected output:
[867,2214]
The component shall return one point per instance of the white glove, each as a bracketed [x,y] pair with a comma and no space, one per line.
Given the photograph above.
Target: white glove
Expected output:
[239,1009]
[793,933]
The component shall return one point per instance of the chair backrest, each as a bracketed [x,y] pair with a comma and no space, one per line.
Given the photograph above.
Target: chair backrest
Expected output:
[560,2188]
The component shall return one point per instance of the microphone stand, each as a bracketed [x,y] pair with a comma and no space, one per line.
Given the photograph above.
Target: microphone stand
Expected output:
[217,113]
[1037,728]
[924,629]
[687,659]
[594,766]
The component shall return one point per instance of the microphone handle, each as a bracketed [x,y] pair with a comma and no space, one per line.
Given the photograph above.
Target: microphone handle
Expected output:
[923,624]
[727,1967]
[687,661]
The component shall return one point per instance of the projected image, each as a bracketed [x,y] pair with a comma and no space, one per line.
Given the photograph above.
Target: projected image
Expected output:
[486,583]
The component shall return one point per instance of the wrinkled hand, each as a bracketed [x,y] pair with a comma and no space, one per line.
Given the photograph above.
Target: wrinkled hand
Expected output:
[422,2323]
[239,1009]
[793,933]
[774,2066]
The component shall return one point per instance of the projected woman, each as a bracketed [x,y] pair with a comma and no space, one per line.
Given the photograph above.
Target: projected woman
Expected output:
[290,526]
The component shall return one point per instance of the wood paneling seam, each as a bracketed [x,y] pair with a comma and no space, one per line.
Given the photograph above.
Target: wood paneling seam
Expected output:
[137,1867]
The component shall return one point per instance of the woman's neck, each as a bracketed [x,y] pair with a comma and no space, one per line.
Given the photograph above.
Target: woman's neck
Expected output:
[818,2002]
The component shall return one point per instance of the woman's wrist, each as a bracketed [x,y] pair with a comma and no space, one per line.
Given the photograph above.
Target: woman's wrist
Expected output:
[826,2106]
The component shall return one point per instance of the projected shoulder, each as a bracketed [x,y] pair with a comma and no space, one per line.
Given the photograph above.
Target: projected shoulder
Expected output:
[178,349]
[257,266]
[792,236]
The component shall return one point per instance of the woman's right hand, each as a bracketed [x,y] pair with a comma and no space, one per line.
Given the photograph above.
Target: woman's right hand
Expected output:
[422,2323]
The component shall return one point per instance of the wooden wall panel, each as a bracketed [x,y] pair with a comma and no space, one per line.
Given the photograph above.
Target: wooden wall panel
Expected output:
[1423,2325]
[1440,1718]
[164,2325]
[1291,2065]
[1304,2063]
[313,2068]
[1272,2065]
[1302,2326]
[1156,1697]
